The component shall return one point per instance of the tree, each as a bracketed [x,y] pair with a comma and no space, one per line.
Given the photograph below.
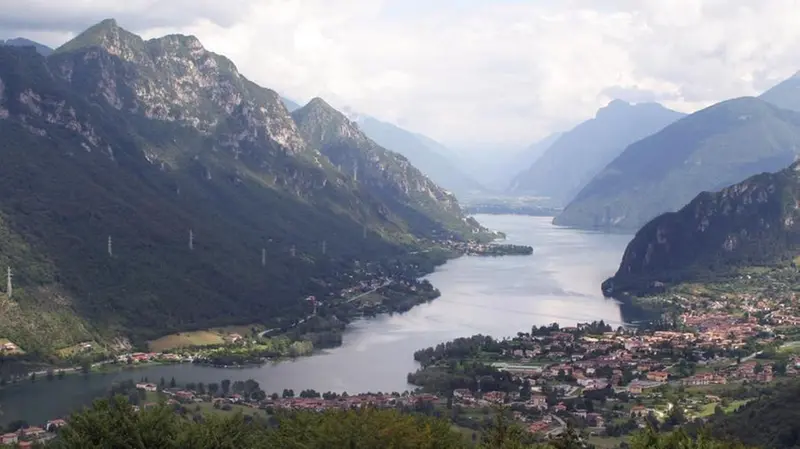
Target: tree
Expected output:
[525,390]
[288,393]
[238,387]
[309,394]
[274,396]
[213,388]
[258,395]
[172,383]
[568,440]
[250,386]
[226,387]
[502,434]
[201,388]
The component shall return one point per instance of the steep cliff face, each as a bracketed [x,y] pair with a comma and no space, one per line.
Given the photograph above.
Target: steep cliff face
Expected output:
[173,78]
[753,222]
[389,175]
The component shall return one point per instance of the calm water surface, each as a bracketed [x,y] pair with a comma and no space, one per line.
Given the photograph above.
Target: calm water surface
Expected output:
[499,296]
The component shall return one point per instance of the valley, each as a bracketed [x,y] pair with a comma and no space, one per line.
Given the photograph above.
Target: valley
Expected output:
[204,262]
[376,353]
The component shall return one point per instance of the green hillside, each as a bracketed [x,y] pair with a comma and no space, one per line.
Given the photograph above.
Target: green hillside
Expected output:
[145,142]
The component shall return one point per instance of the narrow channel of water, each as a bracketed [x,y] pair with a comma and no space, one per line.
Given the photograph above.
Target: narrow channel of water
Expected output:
[499,296]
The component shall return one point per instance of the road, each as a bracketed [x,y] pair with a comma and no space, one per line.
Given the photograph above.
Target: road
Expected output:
[748,358]
[354,298]
[385,284]
[558,430]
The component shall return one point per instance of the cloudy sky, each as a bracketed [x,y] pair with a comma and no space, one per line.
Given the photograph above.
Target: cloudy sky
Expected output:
[469,73]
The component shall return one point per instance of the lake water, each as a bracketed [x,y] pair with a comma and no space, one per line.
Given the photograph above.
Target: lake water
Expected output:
[499,296]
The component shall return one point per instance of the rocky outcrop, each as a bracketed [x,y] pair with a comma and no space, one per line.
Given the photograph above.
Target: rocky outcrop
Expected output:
[753,222]
[386,173]
[174,78]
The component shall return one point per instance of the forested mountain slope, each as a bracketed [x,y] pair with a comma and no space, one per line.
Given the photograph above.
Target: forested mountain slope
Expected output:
[146,142]
[754,222]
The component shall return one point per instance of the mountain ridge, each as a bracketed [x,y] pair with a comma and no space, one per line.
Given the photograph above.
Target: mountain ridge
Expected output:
[431,157]
[571,161]
[150,144]
[707,150]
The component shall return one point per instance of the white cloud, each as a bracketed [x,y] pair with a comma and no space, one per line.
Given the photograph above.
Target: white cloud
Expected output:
[470,72]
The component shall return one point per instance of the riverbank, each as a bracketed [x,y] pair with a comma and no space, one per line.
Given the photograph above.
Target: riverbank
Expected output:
[490,295]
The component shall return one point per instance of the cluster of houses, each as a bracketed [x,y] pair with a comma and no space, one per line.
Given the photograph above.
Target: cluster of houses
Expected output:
[9,348]
[349,402]
[362,287]
[183,396]
[145,357]
[572,362]
[28,436]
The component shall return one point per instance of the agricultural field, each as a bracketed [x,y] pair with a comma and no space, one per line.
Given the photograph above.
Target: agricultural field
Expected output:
[186,339]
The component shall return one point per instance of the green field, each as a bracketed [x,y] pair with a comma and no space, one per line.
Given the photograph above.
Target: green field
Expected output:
[607,442]
[186,339]
[708,409]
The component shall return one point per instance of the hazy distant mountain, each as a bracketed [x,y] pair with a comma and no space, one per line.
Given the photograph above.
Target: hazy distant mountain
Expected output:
[786,94]
[42,49]
[290,105]
[579,154]
[524,159]
[431,157]
[708,150]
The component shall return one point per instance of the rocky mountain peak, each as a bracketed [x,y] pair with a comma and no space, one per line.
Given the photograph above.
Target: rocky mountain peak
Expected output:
[110,37]
[325,124]
[174,78]
[614,107]
[371,165]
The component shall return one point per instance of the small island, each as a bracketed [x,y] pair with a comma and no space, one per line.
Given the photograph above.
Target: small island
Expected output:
[491,249]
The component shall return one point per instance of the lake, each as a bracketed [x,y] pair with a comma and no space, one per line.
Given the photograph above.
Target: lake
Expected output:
[498,296]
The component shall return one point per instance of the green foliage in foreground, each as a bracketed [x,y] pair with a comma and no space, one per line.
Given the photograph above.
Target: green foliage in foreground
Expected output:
[114,423]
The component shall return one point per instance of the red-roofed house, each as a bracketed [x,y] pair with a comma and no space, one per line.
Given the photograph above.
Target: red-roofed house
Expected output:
[9,438]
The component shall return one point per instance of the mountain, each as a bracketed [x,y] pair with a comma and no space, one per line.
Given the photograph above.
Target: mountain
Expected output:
[425,153]
[785,95]
[389,174]
[290,105]
[116,150]
[754,222]
[521,161]
[769,420]
[42,49]
[579,154]
[708,150]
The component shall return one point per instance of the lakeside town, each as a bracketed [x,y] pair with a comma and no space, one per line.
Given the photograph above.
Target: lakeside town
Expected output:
[716,345]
